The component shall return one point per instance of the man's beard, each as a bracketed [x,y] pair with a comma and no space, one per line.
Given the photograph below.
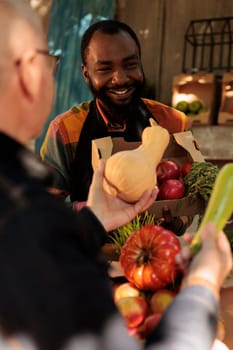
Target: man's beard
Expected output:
[115,108]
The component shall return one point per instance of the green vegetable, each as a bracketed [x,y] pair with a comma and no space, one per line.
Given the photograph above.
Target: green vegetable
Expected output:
[195,106]
[120,235]
[220,205]
[182,106]
[200,180]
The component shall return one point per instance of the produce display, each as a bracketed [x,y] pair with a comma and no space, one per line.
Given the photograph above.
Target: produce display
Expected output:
[196,180]
[147,253]
[147,257]
[191,108]
[130,173]
[141,310]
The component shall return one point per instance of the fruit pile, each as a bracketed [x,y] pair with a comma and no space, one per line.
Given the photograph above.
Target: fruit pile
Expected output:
[191,108]
[147,259]
[148,253]
[170,177]
[141,310]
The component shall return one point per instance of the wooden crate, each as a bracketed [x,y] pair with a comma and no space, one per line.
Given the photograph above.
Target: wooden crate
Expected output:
[225,114]
[198,86]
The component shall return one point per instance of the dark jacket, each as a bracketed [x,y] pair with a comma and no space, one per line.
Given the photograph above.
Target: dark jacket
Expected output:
[50,270]
[55,288]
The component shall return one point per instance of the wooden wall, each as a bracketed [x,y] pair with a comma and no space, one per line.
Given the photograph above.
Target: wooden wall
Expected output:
[160,26]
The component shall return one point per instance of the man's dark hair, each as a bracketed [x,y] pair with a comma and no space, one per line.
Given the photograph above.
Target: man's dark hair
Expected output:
[107,27]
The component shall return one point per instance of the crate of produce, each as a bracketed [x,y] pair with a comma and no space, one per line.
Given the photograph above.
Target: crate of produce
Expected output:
[195,95]
[182,148]
[225,114]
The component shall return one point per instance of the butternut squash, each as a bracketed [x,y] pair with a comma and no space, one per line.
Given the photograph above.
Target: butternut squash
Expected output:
[130,173]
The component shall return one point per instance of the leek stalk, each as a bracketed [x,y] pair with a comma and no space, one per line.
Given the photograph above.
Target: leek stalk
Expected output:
[220,204]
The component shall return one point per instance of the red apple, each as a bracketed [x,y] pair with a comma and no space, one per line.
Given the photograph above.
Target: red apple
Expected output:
[171,189]
[126,290]
[167,169]
[133,310]
[160,300]
[149,324]
[185,169]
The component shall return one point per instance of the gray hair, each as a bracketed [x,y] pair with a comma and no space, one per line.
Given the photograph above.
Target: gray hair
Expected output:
[19,9]
[13,13]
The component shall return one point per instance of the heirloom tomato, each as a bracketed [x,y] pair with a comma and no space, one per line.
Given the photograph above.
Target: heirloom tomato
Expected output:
[148,257]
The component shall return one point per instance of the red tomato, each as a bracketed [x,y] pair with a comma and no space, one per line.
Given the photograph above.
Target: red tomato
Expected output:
[167,169]
[171,189]
[186,168]
[148,257]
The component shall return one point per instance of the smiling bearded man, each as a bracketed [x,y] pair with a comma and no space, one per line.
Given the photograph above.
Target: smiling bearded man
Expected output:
[112,68]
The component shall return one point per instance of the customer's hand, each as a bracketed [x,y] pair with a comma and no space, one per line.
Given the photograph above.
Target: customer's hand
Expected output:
[213,262]
[112,211]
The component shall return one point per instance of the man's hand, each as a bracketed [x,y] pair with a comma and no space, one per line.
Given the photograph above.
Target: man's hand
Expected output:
[112,211]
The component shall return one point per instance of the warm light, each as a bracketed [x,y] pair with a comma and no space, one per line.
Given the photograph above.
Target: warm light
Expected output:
[35,3]
[177,97]
[229,93]
[185,80]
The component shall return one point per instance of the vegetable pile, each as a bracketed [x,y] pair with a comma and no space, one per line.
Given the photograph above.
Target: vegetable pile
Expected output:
[148,251]
[200,180]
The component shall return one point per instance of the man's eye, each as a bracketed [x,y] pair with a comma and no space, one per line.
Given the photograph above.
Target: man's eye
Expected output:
[104,69]
[132,65]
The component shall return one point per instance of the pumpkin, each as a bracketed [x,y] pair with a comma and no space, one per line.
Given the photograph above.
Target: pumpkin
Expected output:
[128,174]
[148,257]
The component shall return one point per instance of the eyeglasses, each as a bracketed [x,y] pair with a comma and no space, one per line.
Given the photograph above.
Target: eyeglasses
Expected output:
[54,58]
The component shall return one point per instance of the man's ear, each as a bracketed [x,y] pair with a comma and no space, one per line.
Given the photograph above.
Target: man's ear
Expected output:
[29,74]
[85,73]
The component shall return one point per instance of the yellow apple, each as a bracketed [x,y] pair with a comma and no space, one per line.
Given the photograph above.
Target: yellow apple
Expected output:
[126,290]
[133,310]
[160,300]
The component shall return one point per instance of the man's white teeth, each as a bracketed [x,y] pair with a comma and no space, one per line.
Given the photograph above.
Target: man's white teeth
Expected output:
[121,92]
